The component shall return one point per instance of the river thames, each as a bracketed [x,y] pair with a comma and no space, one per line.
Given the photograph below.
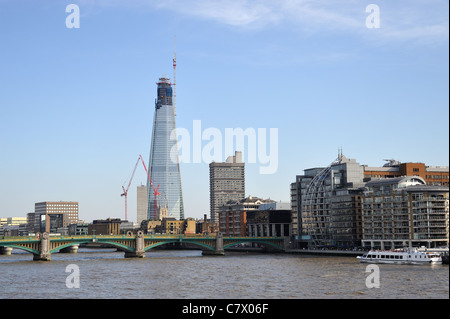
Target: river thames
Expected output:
[186,274]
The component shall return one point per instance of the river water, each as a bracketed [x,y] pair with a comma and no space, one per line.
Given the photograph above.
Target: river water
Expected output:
[180,274]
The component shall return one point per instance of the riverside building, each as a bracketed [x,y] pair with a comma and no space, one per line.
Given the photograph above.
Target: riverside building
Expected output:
[270,220]
[233,215]
[326,205]
[404,211]
[340,205]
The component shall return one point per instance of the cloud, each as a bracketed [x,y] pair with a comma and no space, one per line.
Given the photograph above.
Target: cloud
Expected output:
[417,20]
[237,13]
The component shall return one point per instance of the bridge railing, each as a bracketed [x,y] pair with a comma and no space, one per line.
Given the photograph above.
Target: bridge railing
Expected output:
[16,238]
[125,236]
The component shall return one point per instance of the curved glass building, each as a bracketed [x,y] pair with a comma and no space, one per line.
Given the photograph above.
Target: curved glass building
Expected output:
[164,165]
[330,209]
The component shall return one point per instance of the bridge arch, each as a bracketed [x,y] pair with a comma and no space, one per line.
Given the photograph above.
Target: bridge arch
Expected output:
[78,242]
[27,249]
[201,245]
[119,245]
[57,249]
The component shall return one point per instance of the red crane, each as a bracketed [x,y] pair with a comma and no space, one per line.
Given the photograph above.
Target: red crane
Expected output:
[125,191]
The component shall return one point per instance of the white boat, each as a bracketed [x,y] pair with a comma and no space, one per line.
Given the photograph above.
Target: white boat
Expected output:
[400,256]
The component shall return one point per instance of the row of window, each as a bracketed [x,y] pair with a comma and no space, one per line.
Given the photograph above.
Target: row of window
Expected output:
[437,176]
[386,256]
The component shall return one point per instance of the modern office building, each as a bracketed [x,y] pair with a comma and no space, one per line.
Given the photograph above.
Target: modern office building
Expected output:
[52,216]
[404,211]
[226,183]
[164,167]
[433,175]
[325,204]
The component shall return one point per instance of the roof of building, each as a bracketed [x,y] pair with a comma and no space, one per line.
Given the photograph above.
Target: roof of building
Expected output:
[427,188]
[395,180]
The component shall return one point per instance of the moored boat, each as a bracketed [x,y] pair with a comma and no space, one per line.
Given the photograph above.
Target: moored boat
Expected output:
[400,256]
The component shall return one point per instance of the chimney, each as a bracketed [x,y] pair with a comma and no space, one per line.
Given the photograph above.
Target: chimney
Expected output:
[205,224]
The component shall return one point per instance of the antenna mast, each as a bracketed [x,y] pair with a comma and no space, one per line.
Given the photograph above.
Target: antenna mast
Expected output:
[175,77]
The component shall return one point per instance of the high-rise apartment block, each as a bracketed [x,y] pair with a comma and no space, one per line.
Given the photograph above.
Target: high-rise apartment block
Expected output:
[226,182]
[164,166]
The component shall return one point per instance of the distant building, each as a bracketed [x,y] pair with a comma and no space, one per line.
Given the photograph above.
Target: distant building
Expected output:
[172,226]
[142,203]
[189,226]
[269,223]
[109,226]
[150,226]
[12,221]
[433,175]
[404,211]
[233,215]
[78,229]
[226,182]
[127,226]
[51,216]
[206,226]
[13,226]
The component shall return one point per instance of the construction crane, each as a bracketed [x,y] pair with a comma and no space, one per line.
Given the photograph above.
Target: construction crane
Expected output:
[125,191]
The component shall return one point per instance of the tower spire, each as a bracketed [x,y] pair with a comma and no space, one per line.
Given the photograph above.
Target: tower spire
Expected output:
[175,77]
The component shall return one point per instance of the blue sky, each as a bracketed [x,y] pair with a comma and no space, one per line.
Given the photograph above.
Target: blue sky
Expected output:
[77,104]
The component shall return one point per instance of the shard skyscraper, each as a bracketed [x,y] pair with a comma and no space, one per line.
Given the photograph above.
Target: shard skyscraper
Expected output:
[164,165]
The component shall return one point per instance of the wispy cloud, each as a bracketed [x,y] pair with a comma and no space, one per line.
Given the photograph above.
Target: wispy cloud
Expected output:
[400,20]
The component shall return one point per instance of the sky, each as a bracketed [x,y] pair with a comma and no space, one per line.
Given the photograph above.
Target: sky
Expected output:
[77,102]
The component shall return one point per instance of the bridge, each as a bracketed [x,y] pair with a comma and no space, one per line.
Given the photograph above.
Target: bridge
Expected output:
[134,245]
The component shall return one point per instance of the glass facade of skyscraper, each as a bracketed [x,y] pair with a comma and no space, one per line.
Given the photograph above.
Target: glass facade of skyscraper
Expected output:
[164,167]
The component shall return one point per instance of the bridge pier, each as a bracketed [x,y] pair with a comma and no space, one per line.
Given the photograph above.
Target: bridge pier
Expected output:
[139,252]
[219,251]
[44,248]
